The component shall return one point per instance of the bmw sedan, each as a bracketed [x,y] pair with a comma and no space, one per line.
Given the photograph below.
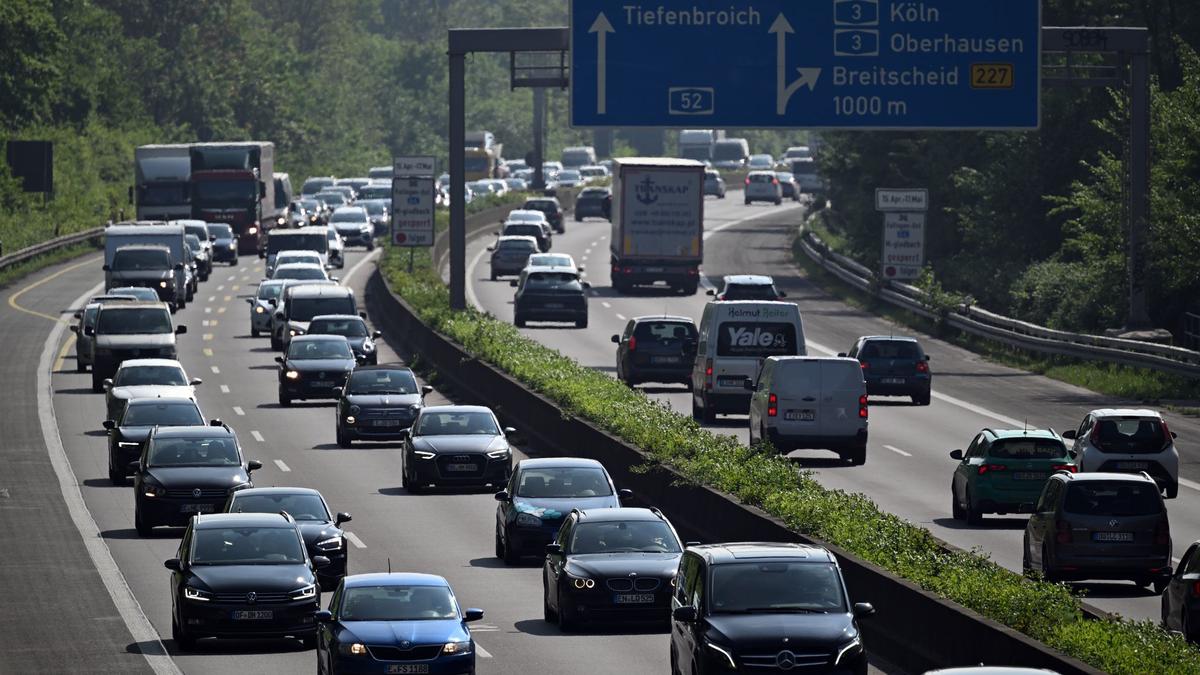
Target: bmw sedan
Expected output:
[456,445]
[378,403]
[313,367]
[127,434]
[322,531]
[395,623]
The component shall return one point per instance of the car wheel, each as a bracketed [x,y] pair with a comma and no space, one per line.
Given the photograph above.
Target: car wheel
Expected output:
[721,196]
[1173,491]
[97,381]
[276,343]
[578,218]
[566,622]
[519,321]
[139,523]
[956,509]
[180,635]
[499,551]
[1047,573]
[858,456]
[747,202]
[80,366]
[510,557]
[234,263]
[778,201]
[1026,566]
[254,332]
[1160,585]
[581,323]
[343,440]
[115,476]
[921,398]
[309,641]
[548,615]
[974,517]
[1192,633]
[494,275]
[370,246]
[284,399]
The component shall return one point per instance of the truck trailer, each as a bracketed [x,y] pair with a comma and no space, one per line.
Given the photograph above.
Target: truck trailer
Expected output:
[234,183]
[657,223]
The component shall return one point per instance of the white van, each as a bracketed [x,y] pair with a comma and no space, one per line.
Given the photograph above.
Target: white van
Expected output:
[734,339]
[811,402]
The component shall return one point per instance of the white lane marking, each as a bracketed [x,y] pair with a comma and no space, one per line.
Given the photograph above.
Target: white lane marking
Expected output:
[1189,484]
[140,628]
[595,242]
[204,322]
[237,409]
[208,337]
[216,370]
[471,297]
[622,317]
[231,277]
[587,251]
[741,221]
[212,298]
[282,467]
[208,310]
[355,540]
[220,310]
[207,351]
[358,265]
[224,389]
[898,451]
[483,653]
[606,305]
[221,287]
[258,437]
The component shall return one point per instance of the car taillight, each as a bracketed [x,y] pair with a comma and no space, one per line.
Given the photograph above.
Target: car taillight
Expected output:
[922,367]
[864,365]
[632,343]
[747,180]
[708,374]
[628,270]
[1066,467]
[991,468]
[772,405]
[1062,532]
[862,406]
[1162,533]
[1167,440]
[774,181]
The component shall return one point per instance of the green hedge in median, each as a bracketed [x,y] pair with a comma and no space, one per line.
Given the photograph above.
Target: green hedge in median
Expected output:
[1046,612]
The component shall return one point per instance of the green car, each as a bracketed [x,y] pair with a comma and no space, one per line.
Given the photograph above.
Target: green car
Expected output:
[1004,470]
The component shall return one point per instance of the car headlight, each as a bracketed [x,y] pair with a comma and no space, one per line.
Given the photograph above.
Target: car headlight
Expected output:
[351,419]
[280,221]
[258,309]
[851,648]
[305,593]
[355,649]
[725,653]
[296,331]
[581,583]
[127,444]
[293,375]
[528,520]
[196,594]
[368,346]
[151,490]
[499,454]
[162,284]
[332,543]
[252,230]
[424,454]
[231,244]
[457,648]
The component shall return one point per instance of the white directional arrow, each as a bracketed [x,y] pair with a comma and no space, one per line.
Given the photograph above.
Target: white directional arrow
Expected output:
[601,27]
[808,76]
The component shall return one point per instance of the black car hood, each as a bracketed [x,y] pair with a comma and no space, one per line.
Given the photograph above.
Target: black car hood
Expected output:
[199,476]
[257,578]
[449,444]
[314,531]
[383,400]
[598,565]
[764,633]
[314,365]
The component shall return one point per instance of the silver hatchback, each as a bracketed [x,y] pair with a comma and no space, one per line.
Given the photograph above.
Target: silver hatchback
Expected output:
[763,186]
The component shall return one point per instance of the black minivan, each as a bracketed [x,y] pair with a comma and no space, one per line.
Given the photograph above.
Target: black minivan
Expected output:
[656,349]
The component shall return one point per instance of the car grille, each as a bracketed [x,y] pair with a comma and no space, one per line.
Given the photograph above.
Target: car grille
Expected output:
[259,599]
[626,584]
[417,653]
[387,413]
[771,661]
[205,493]
[480,461]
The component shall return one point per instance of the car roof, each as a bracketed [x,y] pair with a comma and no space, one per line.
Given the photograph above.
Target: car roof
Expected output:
[757,550]
[558,462]
[276,491]
[170,400]
[320,291]
[456,408]
[298,265]
[382,366]
[748,279]
[289,233]
[762,173]
[218,520]
[519,237]
[339,317]
[348,208]
[396,578]
[134,304]
[527,212]
[557,269]
[539,200]
[664,317]
[621,513]
[134,363]
[1096,476]
[298,251]
[890,338]
[193,431]
[1126,412]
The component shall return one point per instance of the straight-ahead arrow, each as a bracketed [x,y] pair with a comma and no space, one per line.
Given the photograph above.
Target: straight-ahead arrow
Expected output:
[601,27]
[781,27]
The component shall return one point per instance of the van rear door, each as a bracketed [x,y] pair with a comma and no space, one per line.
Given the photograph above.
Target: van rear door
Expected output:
[842,387]
[797,387]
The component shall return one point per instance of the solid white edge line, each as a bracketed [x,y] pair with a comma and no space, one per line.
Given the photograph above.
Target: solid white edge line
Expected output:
[471,297]
[258,437]
[359,265]
[483,653]
[145,637]
[898,451]
[622,317]
[353,538]
[1189,484]
[282,467]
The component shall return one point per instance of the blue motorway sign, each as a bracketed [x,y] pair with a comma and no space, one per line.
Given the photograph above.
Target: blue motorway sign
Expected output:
[858,64]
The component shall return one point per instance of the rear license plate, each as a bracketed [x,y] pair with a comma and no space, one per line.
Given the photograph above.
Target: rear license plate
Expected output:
[554,305]
[655,269]
[1112,536]
[462,467]
[322,383]
[633,598]
[664,359]
[1133,466]
[800,415]
[1029,475]
[197,508]
[401,669]
[892,380]
[731,381]
[253,614]
[384,423]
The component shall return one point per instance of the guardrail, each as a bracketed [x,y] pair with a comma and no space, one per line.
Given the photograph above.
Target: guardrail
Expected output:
[48,246]
[1007,331]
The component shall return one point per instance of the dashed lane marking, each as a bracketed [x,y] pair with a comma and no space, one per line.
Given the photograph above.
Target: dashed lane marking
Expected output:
[216,370]
[258,437]
[208,310]
[228,298]
[234,288]
[622,317]
[483,653]
[898,451]
[207,351]
[237,409]
[607,305]
[208,337]
[212,298]
[221,287]
[220,310]
[353,538]
[282,467]
[231,277]
[224,389]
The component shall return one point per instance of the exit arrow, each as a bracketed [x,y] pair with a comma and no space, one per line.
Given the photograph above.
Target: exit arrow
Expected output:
[601,27]
[808,76]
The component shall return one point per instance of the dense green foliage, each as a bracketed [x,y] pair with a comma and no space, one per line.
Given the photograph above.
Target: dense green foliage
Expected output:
[759,477]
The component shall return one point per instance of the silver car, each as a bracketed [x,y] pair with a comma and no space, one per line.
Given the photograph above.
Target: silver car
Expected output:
[146,378]
[763,186]
[87,319]
[262,306]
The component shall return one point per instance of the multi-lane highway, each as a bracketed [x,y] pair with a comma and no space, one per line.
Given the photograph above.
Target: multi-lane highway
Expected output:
[908,468]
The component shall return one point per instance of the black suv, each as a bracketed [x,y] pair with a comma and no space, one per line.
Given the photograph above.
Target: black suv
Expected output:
[763,606]
[550,294]
[656,349]
[243,575]
[550,207]
[377,403]
[894,366]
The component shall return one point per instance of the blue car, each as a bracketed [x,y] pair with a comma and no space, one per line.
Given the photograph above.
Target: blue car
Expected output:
[395,623]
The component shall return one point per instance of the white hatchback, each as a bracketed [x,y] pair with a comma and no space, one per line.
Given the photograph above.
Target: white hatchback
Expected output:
[1125,440]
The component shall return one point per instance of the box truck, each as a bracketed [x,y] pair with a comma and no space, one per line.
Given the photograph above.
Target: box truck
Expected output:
[657,223]
[160,190]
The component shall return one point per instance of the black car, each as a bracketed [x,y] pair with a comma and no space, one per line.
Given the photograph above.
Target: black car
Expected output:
[1181,599]
[550,294]
[894,366]
[762,606]
[322,531]
[544,237]
[656,349]
[538,498]
[127,435]
[590,203]
[610,563]
[378,403]
[552,209]
[313,367]
[184,471]
[224,244]
[351,327]
[456,445]
[243,575]
[791,188]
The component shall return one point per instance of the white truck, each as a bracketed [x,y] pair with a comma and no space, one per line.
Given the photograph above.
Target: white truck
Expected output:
[697,144]
[657,218]
[161,176]
[134,256]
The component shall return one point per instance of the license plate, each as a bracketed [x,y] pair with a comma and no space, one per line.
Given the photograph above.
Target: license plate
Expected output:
[197,508]
[1112,536]
[664,359]
[253,614]
[384,423]
[633,598]
[462,467]
[655,269]
[1029,475]
[322,383]
[892,380]
[408,668]
[731,381]
[800,415]
[1133,466]
[554,305]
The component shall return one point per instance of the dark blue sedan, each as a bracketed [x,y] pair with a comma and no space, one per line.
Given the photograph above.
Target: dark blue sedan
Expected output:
[395,623]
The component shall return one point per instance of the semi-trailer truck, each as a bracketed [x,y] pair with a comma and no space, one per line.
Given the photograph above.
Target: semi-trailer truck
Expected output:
[161,174]
[234,183]
[657,218]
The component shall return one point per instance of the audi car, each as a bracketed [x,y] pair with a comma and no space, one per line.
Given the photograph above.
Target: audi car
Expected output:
[456,445]
[353,328]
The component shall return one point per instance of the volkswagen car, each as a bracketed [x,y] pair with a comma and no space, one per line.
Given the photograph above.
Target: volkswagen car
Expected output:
[320,527]
[313,367]
[456,445]
[378,403]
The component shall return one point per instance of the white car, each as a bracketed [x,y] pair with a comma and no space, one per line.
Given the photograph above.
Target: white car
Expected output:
[763,186]
[556,260]
[1126,440]
[353,223]
[291,258]
[301,272]
[146,378]
[337,248]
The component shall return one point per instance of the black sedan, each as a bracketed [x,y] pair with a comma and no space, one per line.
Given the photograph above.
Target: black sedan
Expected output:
[590,203]
[185,471]
[550,294]
[314,366]
[351,327]
[322,531]
[610,563]
[456,445]
[224,244]
[378,403]
[127,435]
[656,349]
[243,575]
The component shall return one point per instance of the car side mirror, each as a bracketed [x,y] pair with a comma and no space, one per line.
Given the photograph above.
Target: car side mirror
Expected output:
[279,360]
[180,330]
[513,283]
[782,294]
[749,385]
[338,391]
[491,248]
[78,315]
[375,335]
[684,614]
[262,254]
[624,493]
[74,328]
[195,380]
[586,284]
[173,564]
[927,357]
[616,339]
[323,616]
[1069,434]
[581,268]
[253,465]
[362,315]
[1073,454]
[841,355]
[553,549]
[250,301]
[508,431]
[215,422]
[473,614]
[89,331]
[107,383]
[335,278]
[273,302]
[404,434]
[343,517]
[133,467]
[426,390]
[212,237]
[320,561]
[109,424]
[501,496]
[1174,435]
[956,454]
[711,291]
[863,610]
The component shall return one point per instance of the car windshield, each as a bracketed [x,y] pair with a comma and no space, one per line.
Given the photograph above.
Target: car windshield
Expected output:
[1028,448]
[226,191]
[310,204]
[516,245]
[569,174]
[315,185]
[194,452]
[594,193]
[221,231]
[134,321]
[776,587]
[375,208]
[141,259]
[397,603]
[523,230]
[632,536]
[137,376]
[141,293]
[397,382]
[269,291]
[543,206]
[292,257]
[785,176]
[564,482]
[354,328]
[457,424]
[890,349]
[332,198]
[354,216]
[193,243]
[750,292]
[1113,498]
[667,332]
[563,280]
[304,309]
[301,506]
[318,349]
[728,151]
[300,272]
[162,414]
[519,217]
[246,546]
[201,231]
[1130,435]
[762,178]
[552,260]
